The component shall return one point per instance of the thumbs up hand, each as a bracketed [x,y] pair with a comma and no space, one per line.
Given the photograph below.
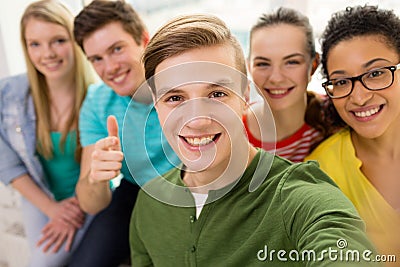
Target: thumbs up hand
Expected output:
[107,156]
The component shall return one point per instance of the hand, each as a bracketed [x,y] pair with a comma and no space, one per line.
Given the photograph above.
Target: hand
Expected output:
[107,156]
[55,233]
[65,218]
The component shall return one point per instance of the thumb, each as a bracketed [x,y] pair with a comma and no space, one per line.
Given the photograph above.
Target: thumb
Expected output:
[112,126]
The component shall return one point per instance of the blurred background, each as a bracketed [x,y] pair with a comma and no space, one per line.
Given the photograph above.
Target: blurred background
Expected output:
[239,15]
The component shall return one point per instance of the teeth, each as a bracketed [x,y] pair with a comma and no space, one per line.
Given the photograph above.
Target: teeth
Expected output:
[52,65]
[363,114]
[200,141]
[119,78]
[277,92]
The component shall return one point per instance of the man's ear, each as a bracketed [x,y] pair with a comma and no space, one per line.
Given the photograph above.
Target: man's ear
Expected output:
[315,63]
[145,38]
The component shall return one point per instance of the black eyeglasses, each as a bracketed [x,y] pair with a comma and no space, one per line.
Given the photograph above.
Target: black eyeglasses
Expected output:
[374,80]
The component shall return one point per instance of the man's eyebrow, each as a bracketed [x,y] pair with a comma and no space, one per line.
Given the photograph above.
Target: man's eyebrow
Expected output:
[221,82]
[173,91]
[117,43]
[108,49]
[168,89]
[164,90]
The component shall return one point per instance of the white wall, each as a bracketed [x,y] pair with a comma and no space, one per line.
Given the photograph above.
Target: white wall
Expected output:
[3,61]
[9,38]
[238,14]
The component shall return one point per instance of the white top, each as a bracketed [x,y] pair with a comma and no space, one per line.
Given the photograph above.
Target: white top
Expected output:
[200,200]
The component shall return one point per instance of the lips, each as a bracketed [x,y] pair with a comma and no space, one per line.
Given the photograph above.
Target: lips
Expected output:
[367,113]
[277,92]
[53,64]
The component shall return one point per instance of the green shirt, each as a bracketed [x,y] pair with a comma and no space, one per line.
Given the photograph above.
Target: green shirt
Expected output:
[62,170]
[297,208]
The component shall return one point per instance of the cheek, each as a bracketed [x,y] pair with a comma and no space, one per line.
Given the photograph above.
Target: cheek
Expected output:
[71,57]
[99,69]
[131,55]
[233,115]
[162,113]
[33,55]
[339,105]
[135,60]
[69,51]
[303,76]
[259,76]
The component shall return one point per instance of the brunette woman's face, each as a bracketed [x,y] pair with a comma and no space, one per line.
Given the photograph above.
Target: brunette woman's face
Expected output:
[280,64]
[370,113]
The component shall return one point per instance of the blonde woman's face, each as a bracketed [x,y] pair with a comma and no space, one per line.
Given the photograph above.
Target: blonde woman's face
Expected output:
[280,64]
[50,49]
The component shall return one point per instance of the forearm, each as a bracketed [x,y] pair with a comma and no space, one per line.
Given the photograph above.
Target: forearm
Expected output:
[93,197]
[33,193]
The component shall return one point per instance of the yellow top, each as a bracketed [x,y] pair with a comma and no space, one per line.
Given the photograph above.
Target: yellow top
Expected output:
[338,159]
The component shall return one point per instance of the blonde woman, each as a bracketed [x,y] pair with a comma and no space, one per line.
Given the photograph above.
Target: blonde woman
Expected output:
[39,145]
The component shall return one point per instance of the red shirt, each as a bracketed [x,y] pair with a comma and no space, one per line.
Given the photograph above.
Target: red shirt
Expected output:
[295,148]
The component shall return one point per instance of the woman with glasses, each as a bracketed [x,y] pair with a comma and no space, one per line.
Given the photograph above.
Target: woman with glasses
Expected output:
[282,60]
[361,54]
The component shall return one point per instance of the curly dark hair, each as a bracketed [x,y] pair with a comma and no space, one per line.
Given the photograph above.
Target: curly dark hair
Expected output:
[360,21]
[354,22]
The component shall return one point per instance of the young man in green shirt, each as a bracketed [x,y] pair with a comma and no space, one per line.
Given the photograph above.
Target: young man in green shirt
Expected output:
[229,204]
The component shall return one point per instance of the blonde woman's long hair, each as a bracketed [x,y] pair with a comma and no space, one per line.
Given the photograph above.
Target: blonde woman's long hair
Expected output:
[54,12]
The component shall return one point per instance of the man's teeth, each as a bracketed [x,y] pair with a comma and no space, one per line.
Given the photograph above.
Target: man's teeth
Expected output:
[277,92]
[119,78]
[363,114]
[200,141]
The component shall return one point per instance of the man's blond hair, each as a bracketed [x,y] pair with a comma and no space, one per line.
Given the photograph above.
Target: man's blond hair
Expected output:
[189,32]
